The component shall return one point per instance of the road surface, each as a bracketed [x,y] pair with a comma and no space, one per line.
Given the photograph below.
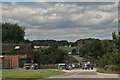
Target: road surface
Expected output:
[80,74]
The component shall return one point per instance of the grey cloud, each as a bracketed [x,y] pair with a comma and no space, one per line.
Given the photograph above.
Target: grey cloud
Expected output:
[63,20]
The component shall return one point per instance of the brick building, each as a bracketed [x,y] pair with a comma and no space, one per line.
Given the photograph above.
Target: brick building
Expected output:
[80,43]
[15,55]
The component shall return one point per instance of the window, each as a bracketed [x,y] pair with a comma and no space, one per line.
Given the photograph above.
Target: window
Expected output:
[17,47]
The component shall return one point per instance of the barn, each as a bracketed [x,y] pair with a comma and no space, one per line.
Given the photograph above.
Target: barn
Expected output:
[15,55]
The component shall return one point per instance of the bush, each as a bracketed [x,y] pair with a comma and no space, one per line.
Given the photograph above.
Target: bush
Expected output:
[71,59]
[100,70]
[112,67]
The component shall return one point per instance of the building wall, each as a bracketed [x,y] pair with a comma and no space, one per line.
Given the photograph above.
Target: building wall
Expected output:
[80,43]
[14,59]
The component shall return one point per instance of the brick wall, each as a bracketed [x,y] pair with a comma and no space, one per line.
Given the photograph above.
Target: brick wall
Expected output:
[80,43]
[23,56]
[14,59]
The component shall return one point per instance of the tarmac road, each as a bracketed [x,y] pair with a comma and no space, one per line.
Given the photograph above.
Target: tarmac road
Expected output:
[80,74]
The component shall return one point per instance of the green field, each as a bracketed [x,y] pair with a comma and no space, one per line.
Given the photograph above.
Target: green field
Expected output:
[66,49]
[20,73]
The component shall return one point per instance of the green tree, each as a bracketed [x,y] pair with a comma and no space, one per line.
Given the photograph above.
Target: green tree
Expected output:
[74,51]
[111,56]
[12,33]
[50,55]
[107,45]
[92,48]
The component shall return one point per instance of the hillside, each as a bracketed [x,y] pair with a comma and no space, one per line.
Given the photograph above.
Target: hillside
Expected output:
[66,49]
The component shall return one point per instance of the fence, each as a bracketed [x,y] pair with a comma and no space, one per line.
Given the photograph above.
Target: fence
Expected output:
[48,66]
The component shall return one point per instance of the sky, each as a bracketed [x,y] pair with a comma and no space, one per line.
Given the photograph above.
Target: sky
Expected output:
[63,20]
[59,0]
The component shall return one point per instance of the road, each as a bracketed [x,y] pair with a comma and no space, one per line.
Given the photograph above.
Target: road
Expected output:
[80,74]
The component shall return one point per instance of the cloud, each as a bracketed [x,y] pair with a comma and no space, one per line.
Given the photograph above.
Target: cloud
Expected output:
[39,0]
[109,7]
[63,20]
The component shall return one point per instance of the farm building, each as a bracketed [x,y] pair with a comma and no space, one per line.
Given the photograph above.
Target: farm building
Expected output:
[15,55]
[81,42]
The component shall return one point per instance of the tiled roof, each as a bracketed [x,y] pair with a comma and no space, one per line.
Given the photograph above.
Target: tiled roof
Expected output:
[16,48]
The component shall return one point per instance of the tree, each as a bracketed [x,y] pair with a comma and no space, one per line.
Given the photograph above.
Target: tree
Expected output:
[52,43]
[111,56]
[92,48]
[116,39]
[12,33]
[107,45]
[51,55]
[74,51]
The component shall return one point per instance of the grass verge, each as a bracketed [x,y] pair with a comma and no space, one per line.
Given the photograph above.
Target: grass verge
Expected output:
[100,70]
[20,73]
[66,49]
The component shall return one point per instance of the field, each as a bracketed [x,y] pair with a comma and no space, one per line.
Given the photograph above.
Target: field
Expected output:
[66,49]
[20,73]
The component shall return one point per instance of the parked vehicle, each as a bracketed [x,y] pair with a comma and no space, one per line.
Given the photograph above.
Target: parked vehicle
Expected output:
[68,67]
[61,66]
[64,66]
[30,66]
[87,66]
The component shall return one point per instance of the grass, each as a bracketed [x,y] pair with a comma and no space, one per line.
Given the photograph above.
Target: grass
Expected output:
[100,70]
[66,49]
[20,73]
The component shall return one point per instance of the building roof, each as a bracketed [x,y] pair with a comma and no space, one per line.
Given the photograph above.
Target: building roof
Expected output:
[16,48]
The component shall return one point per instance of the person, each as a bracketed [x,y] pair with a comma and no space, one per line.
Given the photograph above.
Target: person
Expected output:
[91,66]
[85,66]
[88,65]
[66,65]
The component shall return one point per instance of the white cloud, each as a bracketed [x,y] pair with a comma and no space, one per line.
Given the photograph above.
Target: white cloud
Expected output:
[39,0]
[109,7]
[62,20]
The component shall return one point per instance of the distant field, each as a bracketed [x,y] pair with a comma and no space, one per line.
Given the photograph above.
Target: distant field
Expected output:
[66,49]
[20,73]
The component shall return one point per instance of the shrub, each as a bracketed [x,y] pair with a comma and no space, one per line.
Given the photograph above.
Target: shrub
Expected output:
[112,67]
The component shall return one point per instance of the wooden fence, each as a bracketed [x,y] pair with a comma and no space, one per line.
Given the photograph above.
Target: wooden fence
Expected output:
[48,66]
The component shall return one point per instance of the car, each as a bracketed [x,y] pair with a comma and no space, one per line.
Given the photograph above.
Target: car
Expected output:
[84,66]
[61,66]
[64,66]
[69,67]
[87,66]
[30,66]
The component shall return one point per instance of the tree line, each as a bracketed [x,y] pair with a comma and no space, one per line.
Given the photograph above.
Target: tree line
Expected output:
[106,53]
[52,43]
